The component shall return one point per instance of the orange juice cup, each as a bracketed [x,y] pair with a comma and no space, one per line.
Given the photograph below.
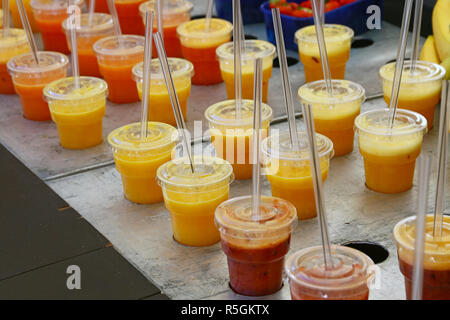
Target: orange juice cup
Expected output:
[192,198]
[129,19]
[419,91]
[30,79]
[254,49]
[116,57]
[15,16]
[289,172]
[199,46]
[232,137]
[390,153]
[100,6]
[138,159]
[87,35]
[334,116]
[338,41]
[160,107]
[77,112]
[1,18]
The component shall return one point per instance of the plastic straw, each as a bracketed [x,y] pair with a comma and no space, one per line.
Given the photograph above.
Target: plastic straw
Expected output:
[159,11]
[146,67]
[5,18]
[74,49]
[209,13]
[416,34]
[317,181]
[257,114]
[115,17]
[322,12]
[27,28]
[91,12]
[237,57]
[442,160]
[157,37]
[288,99]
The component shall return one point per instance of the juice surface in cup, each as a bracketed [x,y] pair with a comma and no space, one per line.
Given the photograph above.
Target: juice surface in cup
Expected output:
[334,116]
[199,45]
[30,79]
[116,56]
[77,111]
[15,16]
[436,273]
[347,280]
[138,159]
[100,6]
[13,45]
[175,12]
[129,19]
[232,137]
[88,33]
[160,107]
[192,198]
[338,40]
[289,171]
[419,91]
[390,154]
[255,245]
[253,49]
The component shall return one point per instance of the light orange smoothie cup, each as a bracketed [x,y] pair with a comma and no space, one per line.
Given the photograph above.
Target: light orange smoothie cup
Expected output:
[116,56]
[334,116]
[419,91]
[338,40]
[15,16]
[138,159]
[129,19]
[30,79]
[78,112]
[390,153]
[192,198]
[289,171]
[87,34]
[232,137]
[253,49]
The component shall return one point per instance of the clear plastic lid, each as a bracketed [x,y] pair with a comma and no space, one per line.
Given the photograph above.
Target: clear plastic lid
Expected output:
[178,68]
[101,22]
[344,91]
[48,61]
[53,5]
[196,29]
[332,32]
[118,46]
[253,49]
[16,37]
[65,89]
[173,11]
[425,72]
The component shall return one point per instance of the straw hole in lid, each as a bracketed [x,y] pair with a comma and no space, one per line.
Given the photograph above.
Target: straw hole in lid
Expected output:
[375,251]
[361,43]
[290,61]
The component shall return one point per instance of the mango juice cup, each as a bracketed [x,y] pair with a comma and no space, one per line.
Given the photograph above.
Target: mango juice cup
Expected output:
[160,107]
[138,159]
[129,19]
[255,248]
[338,41]
[15,16]
[199,46]
[87,34]
[334,116]
[289,172]
[77,111]
[419,91]
[232,137]
[192,198]
[436,273]
[116,56]
[30,79]
[348,280]
[253,49]
[13,45]
[390,154]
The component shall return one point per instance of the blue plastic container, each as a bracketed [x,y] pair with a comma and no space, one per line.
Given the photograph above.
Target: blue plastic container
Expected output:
[251,12]
[353,15]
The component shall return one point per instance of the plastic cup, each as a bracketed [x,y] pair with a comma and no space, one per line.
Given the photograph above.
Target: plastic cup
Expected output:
[77,112]
[232,137]
[30,79]
[253,49]
[338,40]
[15,16]
[129,19]
[160,107]
[348,280]
[116,56]
[199,46]
[1,18]
[138,159]
[289,172]
[101,27]
[419,91]
[100,6]
[334,116]
[436,273]
[174,14]
[192,198]
[255,248]
[390,154]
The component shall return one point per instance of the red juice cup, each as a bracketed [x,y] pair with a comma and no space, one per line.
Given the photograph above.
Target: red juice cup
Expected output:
[128,12]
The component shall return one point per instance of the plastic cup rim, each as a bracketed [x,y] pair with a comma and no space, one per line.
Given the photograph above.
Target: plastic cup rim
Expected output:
[350,33]
[110,52]
[219,33]
[37,69]
[439,75]
[333,101]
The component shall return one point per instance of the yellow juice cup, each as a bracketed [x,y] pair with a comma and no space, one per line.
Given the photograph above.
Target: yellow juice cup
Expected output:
[289,171]
[338,40]
[390,153]
[253,49]
[192,198]
[138,159]
[160,107]
[334,116]
[15,16]
[77,111]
